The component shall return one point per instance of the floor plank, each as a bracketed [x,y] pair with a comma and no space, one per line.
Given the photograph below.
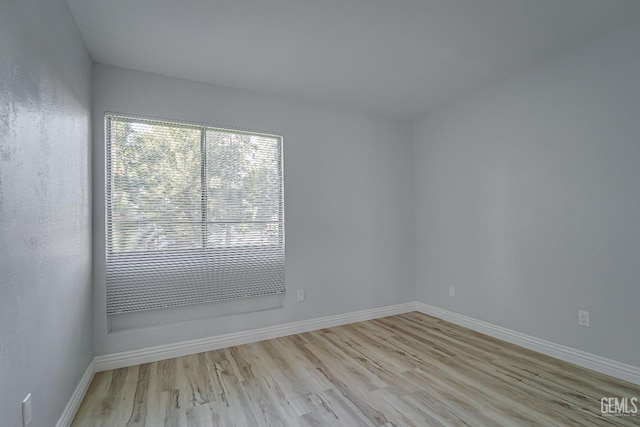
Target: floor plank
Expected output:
[405,370]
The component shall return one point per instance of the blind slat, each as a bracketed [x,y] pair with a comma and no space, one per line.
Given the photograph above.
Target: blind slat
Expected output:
[194,214]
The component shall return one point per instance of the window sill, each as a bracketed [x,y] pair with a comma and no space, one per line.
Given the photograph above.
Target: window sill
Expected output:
[165,316]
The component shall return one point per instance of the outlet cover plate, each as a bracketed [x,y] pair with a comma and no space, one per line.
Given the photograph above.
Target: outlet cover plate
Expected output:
[583,318]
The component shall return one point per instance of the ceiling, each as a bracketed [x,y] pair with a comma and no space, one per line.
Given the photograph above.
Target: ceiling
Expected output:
[397,58]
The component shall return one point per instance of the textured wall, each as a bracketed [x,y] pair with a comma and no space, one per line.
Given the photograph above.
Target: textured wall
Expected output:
[45,292]
[348,203]
[528,200]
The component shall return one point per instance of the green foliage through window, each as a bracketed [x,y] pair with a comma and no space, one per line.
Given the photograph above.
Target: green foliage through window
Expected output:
[175,186]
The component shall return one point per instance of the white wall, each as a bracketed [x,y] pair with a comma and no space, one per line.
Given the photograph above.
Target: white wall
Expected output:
[528,200]
[45,230]
[348,203]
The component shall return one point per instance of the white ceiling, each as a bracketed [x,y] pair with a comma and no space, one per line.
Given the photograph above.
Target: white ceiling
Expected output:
[392,57]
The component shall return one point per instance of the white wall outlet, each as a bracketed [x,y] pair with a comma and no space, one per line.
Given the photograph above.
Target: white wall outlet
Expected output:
[583,318]
[452,291]
[300,296]
[26,411]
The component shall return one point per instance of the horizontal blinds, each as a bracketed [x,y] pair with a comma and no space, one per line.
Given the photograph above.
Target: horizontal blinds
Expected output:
[194,214]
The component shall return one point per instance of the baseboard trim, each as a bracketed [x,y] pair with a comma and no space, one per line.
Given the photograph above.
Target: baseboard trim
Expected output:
[76,398]
[596,363]
[153,354]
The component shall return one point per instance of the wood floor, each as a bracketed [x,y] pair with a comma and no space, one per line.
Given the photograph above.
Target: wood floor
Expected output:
[406,370]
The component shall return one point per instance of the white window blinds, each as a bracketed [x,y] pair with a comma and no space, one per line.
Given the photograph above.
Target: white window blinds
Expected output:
[194,214]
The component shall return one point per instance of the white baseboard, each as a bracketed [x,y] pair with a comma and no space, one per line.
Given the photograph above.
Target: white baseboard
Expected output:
[76,398]
[603,365]
[153,354]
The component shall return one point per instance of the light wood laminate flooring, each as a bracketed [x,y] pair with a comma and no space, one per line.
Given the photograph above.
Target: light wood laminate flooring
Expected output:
[405,370]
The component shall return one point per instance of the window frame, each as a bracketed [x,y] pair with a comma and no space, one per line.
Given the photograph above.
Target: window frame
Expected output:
[205,247]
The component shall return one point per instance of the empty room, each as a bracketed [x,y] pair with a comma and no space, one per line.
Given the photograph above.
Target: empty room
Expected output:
[319,213]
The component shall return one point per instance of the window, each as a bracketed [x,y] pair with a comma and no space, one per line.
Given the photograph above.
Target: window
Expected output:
[194,214]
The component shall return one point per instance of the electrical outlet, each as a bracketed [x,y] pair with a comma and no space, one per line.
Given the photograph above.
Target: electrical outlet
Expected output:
[583,318]
[452,291]
[26,411]
[300,296]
